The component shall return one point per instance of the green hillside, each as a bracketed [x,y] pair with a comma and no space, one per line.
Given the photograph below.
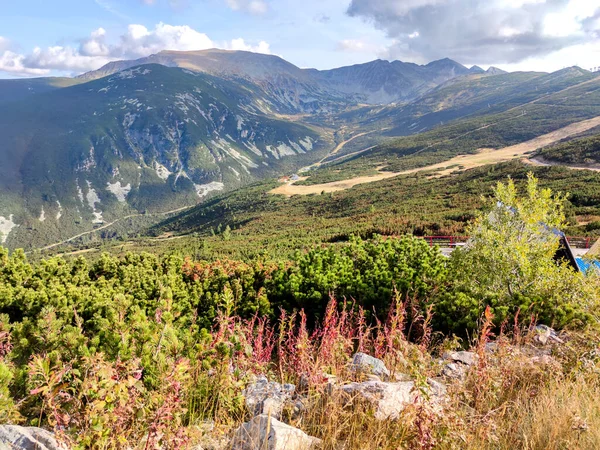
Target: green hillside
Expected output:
[19,89]
[584,151]
[548,113]
[146,139]
[263,225]
[154,139]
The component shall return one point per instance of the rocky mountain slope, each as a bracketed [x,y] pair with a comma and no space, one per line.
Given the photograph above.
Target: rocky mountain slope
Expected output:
[309,90]
[147,138]
[134,139]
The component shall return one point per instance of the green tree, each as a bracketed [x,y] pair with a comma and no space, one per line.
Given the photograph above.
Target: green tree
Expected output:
[227,233]
[509,264]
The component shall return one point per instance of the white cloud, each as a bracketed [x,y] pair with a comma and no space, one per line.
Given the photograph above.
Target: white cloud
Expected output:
[4,44]
[139,41]
[252,6]
[62,58]
[481,31]
[240,44]
[13,63]
[358,46]
[97,49]
[586,56]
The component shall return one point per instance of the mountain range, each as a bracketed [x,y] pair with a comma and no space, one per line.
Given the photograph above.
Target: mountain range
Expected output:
[309,90]
[167,131]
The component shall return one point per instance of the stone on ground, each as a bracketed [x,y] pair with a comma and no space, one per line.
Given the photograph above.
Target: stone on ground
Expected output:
[361,362]
[467,358]
[264,397]
[388,399]
[27,438]
[266,433]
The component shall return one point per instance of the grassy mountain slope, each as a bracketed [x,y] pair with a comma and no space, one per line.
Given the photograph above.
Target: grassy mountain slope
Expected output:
[461,98]
[149,138]
[155,138]
[578,101]
[265,224]
[17,89]
[579,151]
[308,90]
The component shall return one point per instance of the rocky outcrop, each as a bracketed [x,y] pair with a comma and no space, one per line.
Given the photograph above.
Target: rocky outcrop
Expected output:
[458,364]
[388,399]
[466,358]
[27,438]
[264,397]
[363,363]
[546,335]
[266,433]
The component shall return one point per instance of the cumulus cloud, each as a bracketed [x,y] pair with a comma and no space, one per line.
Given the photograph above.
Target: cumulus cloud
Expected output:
[13,63]
[481,31]
[240,44]
[97,49]
[252,6]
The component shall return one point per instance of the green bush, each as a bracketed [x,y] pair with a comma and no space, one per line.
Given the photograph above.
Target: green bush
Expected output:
[364,271]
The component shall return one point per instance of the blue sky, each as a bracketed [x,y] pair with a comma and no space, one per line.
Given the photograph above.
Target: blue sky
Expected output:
[66,37]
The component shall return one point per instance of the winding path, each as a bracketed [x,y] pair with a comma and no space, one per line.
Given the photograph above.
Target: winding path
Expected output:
[108,225]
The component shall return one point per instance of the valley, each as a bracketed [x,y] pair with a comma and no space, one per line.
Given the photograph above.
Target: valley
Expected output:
[176,129]
[184,233]
[483,157]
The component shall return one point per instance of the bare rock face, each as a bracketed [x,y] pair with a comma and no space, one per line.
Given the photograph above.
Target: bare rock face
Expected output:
[264,397]
[361,362]
[27,438]
[266,433]
[454,370]
[458,364]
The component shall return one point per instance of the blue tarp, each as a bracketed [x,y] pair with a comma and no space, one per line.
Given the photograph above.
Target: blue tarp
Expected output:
[586,265]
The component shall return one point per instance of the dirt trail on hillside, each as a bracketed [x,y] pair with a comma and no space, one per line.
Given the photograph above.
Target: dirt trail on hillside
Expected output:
[483,157]
[108,225]
[538,161]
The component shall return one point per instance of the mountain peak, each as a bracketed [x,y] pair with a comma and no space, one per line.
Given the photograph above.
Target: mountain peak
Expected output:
[495,71]
[476,69]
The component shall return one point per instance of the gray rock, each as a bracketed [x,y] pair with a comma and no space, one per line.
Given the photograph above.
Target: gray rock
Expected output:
[361,362]
[264,397]
[437,389]
[454,370]
[27,438]
[467,358]
[388,399]
[266,433]
[545,334]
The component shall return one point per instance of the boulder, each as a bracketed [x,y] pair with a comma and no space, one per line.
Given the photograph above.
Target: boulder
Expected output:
[266,433]
[388,399]
[264,397]
[466,358]
[545,334]
[27,438]
[437,389]
[454,370]
[361,362]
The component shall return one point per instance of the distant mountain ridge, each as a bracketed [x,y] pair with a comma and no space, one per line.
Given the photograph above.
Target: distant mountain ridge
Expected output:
[309,90]
[149,138]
